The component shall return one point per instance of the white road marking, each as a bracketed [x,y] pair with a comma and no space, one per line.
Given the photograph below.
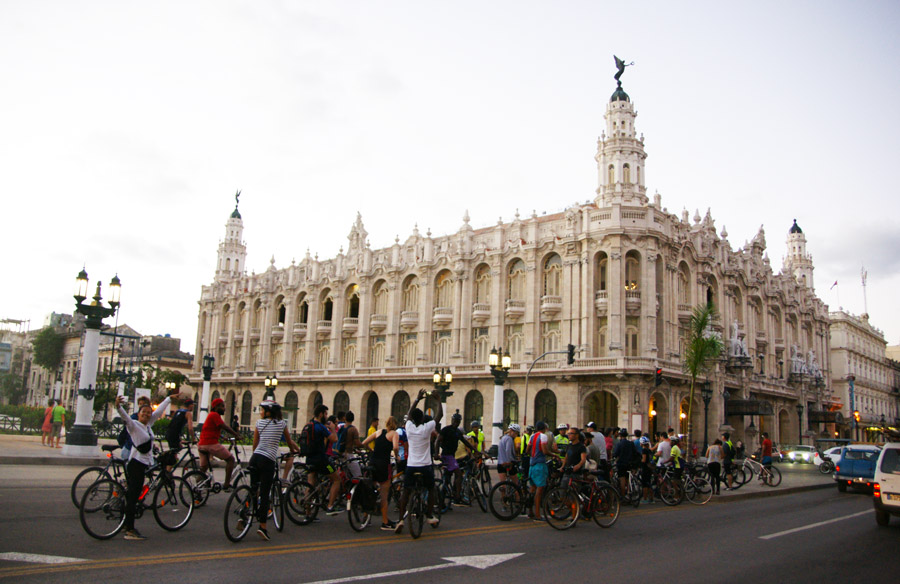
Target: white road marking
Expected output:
[38,558]
[480,562]
[813,525]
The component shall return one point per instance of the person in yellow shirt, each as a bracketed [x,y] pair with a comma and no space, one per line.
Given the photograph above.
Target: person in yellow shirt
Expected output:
[373,427]
[477,436]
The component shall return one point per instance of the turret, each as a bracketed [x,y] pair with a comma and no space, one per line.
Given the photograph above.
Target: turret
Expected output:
[232,250]
[797,261]
[620,155]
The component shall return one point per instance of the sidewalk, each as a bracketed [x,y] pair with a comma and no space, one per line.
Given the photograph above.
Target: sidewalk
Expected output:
[23,449]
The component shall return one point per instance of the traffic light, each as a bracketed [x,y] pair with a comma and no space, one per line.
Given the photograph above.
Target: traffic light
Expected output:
[570,354]
[856,415]
[658,381]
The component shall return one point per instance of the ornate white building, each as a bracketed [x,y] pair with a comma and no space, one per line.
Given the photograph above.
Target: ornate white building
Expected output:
[617,277]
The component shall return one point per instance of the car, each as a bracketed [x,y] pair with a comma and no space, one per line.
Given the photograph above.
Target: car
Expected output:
[799,453]
[856,466]
[833,453]
[886,490]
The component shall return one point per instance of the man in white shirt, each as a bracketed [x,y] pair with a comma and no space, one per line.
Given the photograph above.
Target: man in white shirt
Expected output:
[664,451]
[419,432]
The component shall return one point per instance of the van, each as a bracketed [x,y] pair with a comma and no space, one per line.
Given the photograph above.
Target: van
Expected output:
[887,483]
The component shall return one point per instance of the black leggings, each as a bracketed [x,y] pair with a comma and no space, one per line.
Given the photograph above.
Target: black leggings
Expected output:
[134,474]
[714,471]
[262,473]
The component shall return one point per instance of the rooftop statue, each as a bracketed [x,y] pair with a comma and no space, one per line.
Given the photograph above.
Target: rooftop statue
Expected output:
[620,65]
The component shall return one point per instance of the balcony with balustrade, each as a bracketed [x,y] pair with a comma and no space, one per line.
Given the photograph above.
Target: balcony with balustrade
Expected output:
[323,327]
[254,334]
[300,329]
[550,305]
[515,309]
[278,331]
[377,322]
[409,319]
[350,325]
[601,302]
[442,316]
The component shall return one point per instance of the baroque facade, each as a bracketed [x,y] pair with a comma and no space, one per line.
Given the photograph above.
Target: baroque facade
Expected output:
[618,277]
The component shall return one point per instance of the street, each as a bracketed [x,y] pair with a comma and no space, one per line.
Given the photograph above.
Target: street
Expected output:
[818,535]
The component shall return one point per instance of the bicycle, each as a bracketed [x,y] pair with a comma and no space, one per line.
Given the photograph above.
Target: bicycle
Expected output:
[189,461]
[243,504]
[768,474]
[417,505]
[581,496]
[102,507]
[204,482]
[304,500]
[472,486]
[697,490]
[510,499]
[666,488]
[114,469]
[633,495]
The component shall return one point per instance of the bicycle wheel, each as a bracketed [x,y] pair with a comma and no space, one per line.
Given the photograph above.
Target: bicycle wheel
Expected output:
[416,513]
[506,501]
[476,494]
[239,513]
[102,509]
[358,517]
[561,507]
[302,503]
[172,503]
[485,480]
[670,492]
[276,505]
[84,480]
[198,482]
[395,491]
[605,505]
[772,476]
[634,492]
[698,491]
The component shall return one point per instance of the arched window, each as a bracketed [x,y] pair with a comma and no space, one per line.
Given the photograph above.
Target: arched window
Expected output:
[441,348]
[290,409]
[372,409]
[282,313]
[411,295]
[323,355]
[515,342]
[602,341]
[300,356]
[545,407]
[637,171]
[341,402]
[327,308]
[481,345]
[228,265]
[348,353]
[228,318]
[510,407]
[302,309]
[258,314]
[473,408]
[400,405]
[602,271]
[631,342]
[550,336]
[381,298]
[684,284]
[611,175]
[443,290]
[246,408]
[626,174]
[632,271]
[483,284]
[377,352]
[353,301]
[552,275]
[408,348]
[517,280]
[215,395]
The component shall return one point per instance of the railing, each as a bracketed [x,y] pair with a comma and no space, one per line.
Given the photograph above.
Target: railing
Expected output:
[239,333]
[442,315]
[551,303]
[378,321]
[684,308]
[254,333]
[278,330]
[323,326]
[632,296]
[470,368]
[351,323]
[300,328]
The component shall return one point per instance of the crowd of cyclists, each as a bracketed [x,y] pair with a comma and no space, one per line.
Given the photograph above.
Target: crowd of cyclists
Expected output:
[331,466]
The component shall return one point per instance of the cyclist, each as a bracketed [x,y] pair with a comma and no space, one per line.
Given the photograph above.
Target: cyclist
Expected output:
[318,461]
[714,458]
[677,463]
[451,439]
[386,441]
[539,449]
[766,454]
[124,436]
[208,445]
[348,442]
[270,430]
[476,436]
[522,450]
[646,470]
[141,457]
[729,451]
[506,454]
[182,418]
[561,435]
[419,432]
[624,454]
[576,453]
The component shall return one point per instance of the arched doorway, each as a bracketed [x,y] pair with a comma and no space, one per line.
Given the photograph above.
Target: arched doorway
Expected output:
[314,401]
[784,428]
[510,408]
[290,409]
[341,402]
[602,408]
[431,403]
[545,407]
[370,402]
[246,408]
[229,406]
[473,409]
[400,405]
[658,414]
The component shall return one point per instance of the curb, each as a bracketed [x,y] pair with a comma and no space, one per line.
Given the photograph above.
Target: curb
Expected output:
[772,493]
[52,460]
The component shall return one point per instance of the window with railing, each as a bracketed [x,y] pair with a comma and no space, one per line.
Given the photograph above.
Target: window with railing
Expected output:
[411,294]
[323,354]
[443,290]
[515,342]
[517,280]
[408,350]
[348,353]
[550,336]
[381,298]
[377,352]
[552,275]
[440,348]
[481,345]
[483,284]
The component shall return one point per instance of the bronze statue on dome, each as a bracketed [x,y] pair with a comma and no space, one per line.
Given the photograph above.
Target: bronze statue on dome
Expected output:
[620,65]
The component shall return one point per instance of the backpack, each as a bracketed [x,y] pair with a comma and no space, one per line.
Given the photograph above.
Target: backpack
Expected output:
[729,450]
[341,443]
[364,496]
[307,442]
[176,425]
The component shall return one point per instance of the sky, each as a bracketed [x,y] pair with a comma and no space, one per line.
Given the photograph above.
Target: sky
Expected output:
[126,128]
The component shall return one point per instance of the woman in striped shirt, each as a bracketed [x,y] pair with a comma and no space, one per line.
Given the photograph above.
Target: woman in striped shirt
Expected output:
[270,429]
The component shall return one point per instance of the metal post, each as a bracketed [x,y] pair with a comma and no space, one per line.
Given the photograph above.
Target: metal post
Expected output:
[208,361]
[81,440]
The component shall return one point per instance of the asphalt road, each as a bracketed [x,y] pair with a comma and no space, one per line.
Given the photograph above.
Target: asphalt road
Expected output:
[817,536]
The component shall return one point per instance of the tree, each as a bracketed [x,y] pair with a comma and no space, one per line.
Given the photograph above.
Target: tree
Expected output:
[703,349]
[11,387]
[155,378]
[48,349]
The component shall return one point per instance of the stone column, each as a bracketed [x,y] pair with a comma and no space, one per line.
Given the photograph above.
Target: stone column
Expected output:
[616,303]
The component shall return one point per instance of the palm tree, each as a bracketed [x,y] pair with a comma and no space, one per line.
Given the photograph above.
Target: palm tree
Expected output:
[703,349]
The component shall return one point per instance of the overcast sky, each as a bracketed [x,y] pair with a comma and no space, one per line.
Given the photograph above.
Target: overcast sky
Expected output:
[125,129]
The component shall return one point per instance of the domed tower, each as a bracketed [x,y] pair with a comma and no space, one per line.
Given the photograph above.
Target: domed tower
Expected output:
[232,250]
[797,261]
[620,155]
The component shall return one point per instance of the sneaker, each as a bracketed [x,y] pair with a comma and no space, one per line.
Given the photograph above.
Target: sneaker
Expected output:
[134,535]
[227,489]
[398,528]
[389,526]
[538,520]
[333,510]
[263,534]
[241,524]
[432,520]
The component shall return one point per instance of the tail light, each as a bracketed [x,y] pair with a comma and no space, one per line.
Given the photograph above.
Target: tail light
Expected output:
[837,468]
[876,490]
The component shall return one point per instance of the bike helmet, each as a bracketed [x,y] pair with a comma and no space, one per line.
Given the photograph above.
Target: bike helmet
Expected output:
[674,439]
[456,417]
[562,427]
[270,404]
[529,429]
[645,440]
[623,432]
[475,424]
[515,428]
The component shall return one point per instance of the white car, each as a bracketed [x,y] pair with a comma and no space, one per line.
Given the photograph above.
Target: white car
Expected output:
[800,453]
[887,483]
[832,453]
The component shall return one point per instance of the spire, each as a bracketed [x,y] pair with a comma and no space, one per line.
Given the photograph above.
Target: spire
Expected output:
[798,262]
[232,254]
[236,214]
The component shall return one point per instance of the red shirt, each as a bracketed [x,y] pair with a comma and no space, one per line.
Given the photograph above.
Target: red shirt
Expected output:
[212,428]
[767,447]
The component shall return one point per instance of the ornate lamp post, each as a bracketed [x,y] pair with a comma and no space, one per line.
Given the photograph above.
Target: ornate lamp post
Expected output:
[499,363]
[706,394]
[800,423]
[208,363]
[82,441]
[442,379]
[271,384]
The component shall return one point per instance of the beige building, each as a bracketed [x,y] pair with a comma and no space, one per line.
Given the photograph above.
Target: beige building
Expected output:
[858,359]
[617,277]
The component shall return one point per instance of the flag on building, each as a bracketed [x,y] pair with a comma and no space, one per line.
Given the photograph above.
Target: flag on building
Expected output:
[833,285]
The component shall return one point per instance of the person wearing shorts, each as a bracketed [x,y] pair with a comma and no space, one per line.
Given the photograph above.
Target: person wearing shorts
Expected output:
[59,420]
[209,446]
[386,442]
[451,438]
[540,448]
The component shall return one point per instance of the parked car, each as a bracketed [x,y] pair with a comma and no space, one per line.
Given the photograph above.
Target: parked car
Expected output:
[887,483]
[799,453]
[856,466]
[827,457]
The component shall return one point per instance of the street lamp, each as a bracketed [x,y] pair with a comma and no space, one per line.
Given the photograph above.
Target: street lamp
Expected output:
[442,379]
[271,384]
[500,364]
[208,363]
[706,394]
[800,422]
[81,440]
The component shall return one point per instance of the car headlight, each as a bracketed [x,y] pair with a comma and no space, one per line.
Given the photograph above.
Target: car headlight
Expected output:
[792,455]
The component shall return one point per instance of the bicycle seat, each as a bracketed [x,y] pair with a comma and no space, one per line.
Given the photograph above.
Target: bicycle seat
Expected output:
[109,447]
